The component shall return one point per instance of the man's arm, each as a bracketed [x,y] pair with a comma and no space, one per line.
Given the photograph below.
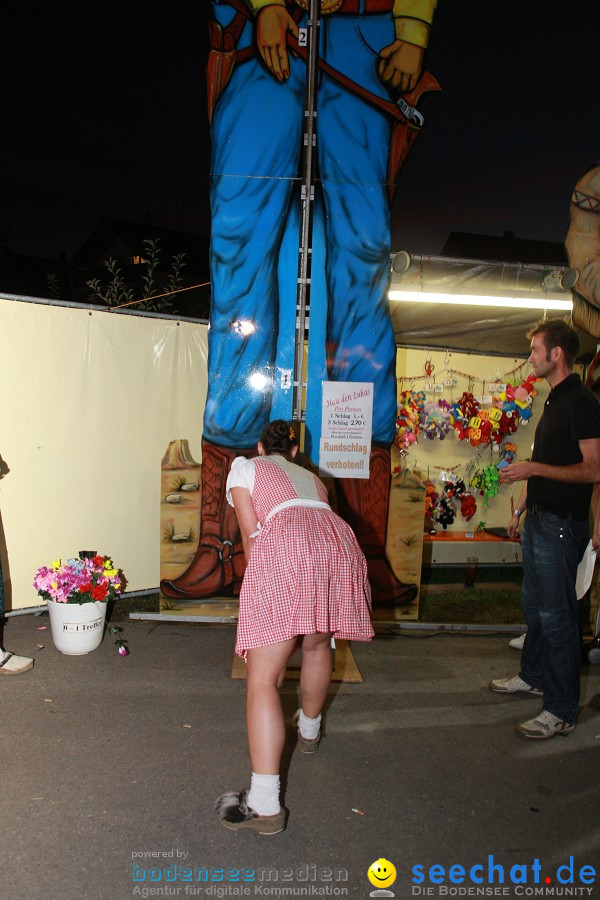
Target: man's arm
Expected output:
[513,525]
[595,507]
[585,472]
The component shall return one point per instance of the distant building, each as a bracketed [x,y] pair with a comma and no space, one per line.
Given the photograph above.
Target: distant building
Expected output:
[34,276]
[126,244]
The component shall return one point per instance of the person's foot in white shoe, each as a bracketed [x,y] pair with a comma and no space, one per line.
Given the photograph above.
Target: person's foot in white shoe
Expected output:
[517,643]
[544,726]
[514,685]
[11,664]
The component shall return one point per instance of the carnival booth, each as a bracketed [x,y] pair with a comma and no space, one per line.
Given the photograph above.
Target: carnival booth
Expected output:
[98,399]
[468,403]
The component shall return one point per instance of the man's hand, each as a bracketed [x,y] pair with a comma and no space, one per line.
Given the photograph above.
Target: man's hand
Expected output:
[512,528]
[517,471]
[400,65]
[272,26]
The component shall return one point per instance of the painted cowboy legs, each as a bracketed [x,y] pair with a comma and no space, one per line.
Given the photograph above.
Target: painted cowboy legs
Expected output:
[364,504]
[218,566]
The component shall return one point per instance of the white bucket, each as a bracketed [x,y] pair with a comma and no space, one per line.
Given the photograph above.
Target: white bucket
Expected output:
[77,628]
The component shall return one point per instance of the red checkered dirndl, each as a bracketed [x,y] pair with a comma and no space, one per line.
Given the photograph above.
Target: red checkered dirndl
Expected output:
[306,573]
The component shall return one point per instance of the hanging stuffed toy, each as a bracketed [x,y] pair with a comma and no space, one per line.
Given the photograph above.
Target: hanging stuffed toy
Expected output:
[435,419]
[468,505]
[408,422]
[508,454]
[456,492]
[487,482]
[445,512]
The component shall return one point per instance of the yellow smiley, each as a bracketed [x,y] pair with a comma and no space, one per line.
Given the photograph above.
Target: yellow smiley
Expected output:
[381,873]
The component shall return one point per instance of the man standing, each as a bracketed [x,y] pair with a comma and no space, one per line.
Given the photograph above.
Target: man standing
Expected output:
[557,493]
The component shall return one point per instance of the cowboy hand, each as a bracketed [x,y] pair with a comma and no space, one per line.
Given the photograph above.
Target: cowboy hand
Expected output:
[400,65]
[272,26]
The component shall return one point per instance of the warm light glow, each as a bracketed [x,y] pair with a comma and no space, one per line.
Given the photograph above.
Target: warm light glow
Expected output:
[244,327]
[258,381]
[480,300]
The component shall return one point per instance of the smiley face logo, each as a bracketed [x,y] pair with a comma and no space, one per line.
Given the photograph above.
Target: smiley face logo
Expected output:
[381,873]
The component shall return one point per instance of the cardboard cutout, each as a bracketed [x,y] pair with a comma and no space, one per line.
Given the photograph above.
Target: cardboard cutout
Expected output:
[369,52]
[583,248]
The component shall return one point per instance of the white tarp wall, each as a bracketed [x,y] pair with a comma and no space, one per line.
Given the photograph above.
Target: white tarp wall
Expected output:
[89,401]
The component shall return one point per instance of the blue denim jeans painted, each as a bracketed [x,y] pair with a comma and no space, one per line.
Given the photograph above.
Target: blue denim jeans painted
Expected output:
[552,550]
[256,150]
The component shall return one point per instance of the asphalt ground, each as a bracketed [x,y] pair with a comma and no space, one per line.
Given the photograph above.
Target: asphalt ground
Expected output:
[111,765]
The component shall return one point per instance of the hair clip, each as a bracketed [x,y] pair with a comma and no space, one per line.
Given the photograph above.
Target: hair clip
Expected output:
[292,434]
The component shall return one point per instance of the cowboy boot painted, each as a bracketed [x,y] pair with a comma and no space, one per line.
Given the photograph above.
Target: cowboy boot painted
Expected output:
[364,504]
[219,564]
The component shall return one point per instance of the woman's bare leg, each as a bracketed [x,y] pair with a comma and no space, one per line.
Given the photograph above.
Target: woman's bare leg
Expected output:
[315,672]
[281,676]
[264,716]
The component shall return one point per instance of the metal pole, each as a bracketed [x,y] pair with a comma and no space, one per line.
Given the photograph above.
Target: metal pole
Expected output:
[307,200]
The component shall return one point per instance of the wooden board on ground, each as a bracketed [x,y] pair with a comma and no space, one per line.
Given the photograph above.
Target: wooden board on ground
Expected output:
[345,668]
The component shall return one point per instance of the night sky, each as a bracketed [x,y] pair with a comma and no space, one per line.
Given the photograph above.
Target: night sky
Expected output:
[105,115]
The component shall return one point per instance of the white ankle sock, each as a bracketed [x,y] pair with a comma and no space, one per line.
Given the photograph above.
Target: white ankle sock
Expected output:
[309,728]
[263,796]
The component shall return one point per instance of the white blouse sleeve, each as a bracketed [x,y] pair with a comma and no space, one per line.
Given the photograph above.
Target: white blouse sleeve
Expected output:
[241,474]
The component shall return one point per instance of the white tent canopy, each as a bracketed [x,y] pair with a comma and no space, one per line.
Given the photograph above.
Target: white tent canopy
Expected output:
[478,328]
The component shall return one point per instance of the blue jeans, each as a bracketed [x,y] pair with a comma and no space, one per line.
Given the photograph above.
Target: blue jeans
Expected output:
[256,152]
[552,550]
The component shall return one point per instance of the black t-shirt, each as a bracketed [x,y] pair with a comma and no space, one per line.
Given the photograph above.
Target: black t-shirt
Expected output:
[571,414]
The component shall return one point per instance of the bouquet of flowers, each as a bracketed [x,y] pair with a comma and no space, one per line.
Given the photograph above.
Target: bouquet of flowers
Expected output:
[84,580]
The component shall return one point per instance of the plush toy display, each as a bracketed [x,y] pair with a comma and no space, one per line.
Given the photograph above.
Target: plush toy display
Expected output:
[487,482]
[480,426]
[408,423]
[443,508]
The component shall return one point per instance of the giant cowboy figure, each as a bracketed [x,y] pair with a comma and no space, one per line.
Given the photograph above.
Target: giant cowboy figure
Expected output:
[374,48]
[583,248]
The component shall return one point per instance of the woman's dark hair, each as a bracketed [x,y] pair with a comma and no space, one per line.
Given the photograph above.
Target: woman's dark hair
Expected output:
[279,436]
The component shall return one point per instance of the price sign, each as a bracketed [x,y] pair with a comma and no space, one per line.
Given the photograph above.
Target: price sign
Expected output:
[346,424]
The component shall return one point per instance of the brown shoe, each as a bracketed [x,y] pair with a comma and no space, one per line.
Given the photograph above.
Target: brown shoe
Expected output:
[235,814]
[306,745]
